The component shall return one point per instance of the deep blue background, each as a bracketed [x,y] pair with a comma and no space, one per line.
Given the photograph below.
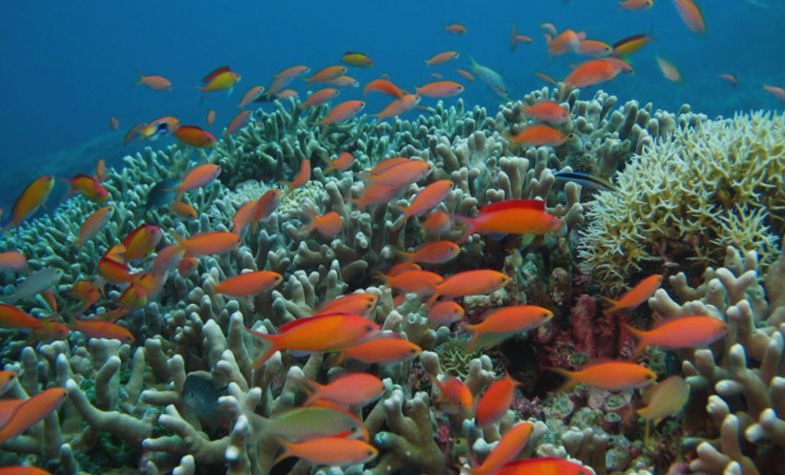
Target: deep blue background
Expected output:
[67,67]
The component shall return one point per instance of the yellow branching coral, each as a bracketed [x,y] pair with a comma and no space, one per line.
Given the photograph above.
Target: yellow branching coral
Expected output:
[689,196]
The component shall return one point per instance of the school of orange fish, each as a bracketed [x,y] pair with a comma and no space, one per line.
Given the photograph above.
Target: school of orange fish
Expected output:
[340,325]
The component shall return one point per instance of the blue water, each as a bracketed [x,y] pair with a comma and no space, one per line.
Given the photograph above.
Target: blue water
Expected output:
[67,67]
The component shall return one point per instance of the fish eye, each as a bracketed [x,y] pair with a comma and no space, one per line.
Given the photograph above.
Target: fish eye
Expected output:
[368,328]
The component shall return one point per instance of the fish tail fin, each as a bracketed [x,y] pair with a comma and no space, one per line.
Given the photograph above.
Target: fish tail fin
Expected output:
[379,275]
[612,305]
[139,77]
[114,315]
[286,449]
[406,256]
[340,358]
[472,329]
[640,336]
[312,388]
[432,299]
[330,166]
[179,240]
[569,376]
[269,346]
[513,34]
[469,223]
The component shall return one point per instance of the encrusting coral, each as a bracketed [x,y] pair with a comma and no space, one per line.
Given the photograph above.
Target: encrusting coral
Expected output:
[187,395]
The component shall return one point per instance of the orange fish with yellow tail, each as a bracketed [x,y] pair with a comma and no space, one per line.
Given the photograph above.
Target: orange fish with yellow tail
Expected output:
[611,375]
[635,296]
[31,198]
[511,217]
[693,331]
[31,411]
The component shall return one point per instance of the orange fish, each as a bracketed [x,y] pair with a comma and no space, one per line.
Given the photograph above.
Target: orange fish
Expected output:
[220,79]
[326,332]
[335,451]
[436,223]
[216,242]
[133,298]
[538,135]
[328,225]
[286,94]
[565,42]
[776,91]
[103,329]
[13,317]
[141,241]
[343,111]
[400,106]
[327,74]
[238,122]
[418,282]
[382,350]
[465,74]
[386,165]
[495,401]
[636,5]
[510,445]
[167,259]
[545,77]
[731,78]
[595,71]
[342,163]
[454,397]
[442,58]
[359,304]
[30,199]
[594,48]
[472,282]
[251,212]
[250,96]
[402,267]
[7,379]
[384,86]
[691,15]
[197,177]
[210,117]
[344,81]
[113,271]
[513,217]
[156,83]
[692,331]
[89,187]
[516,38]
[114,124]
[320,97]
[22,469]
[301,178]
[12,261]
[499,324]
[635,296]
[194,136]
[436,252]
[427,199]
[187,265]
[32,411]
[158,127]
[93,223]
[668,70]
[445,312]
[86,291]
[293,72]
[100,171]
[439,89]
[611,375]
[348,390]
[455,29]
[248,284]
[543,466]
[377,193]
[402,174]
[547,111]
[184,210]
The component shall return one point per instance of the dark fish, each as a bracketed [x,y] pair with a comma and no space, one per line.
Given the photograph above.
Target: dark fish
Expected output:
[200,395]
[586,180]
[160,194]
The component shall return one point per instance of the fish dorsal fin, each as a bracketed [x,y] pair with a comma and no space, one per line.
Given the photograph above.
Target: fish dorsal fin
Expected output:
[660,320]
[214,73]
[601,361]
[537,205]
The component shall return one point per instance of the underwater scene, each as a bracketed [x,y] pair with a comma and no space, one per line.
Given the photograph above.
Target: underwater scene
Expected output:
[374,238]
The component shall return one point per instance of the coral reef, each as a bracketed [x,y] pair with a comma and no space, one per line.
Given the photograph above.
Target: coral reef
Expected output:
[187,396]
[688,196]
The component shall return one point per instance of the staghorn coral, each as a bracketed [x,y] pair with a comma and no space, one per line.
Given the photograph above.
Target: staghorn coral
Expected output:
[687,197]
